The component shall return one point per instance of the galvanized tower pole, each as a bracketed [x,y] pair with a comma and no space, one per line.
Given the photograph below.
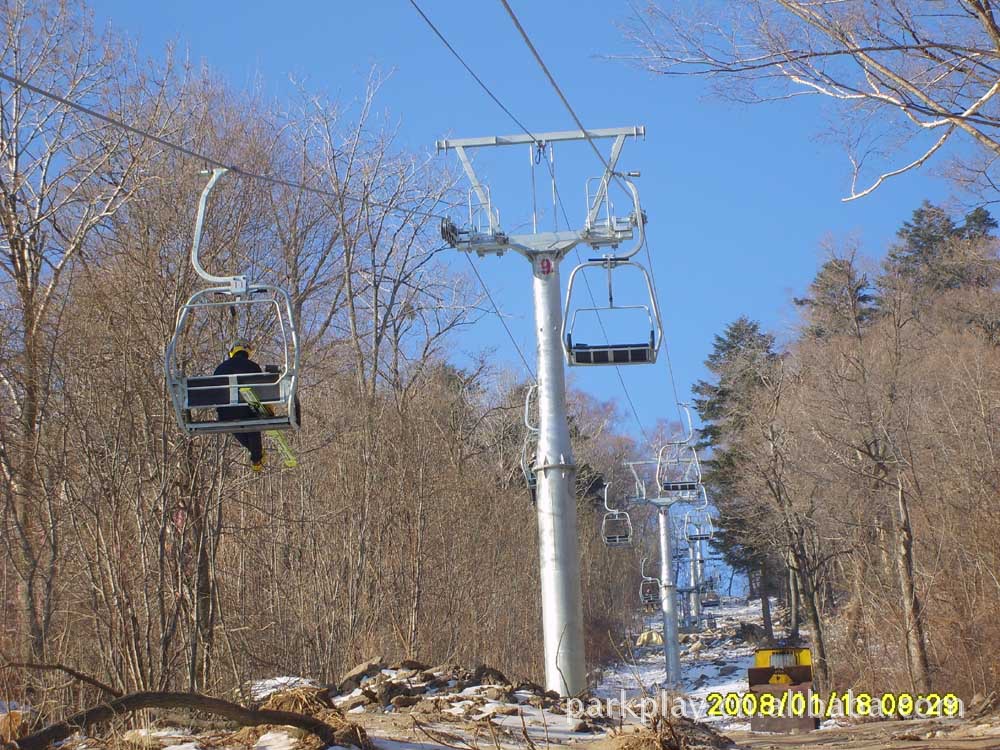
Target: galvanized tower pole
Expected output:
[562,612]
[562,615]
[695,595]
[668,600]
[700,561]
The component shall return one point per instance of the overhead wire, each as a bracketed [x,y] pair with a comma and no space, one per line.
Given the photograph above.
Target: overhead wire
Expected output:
[178,148]
[520,124]
[469,69]
[512,116]
[503,321]
[579,123]
[604,332]
[203,157]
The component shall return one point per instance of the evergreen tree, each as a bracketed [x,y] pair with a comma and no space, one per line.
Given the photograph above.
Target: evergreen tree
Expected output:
[978,224]
[936,254]
[734,362]
[734,355]
[840,299]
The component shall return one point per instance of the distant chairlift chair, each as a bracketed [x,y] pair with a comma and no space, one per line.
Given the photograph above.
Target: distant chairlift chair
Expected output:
[530,446]
[616,528]
[678,470]
[698,526]
[649,588]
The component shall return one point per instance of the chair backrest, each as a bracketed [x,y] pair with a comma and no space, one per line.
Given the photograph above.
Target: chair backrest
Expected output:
[214,391]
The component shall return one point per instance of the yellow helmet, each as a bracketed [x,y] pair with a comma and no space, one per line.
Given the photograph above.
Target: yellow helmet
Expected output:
[239,345]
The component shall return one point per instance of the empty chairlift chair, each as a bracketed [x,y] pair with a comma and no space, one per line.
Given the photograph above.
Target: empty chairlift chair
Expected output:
[698,526]
[678,472]
[197,396]
[638,351]
[530,445]
[616,528]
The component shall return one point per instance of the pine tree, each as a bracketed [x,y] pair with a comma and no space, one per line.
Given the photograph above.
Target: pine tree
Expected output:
[935,254]
[735,361]
[978,224]
[840,299]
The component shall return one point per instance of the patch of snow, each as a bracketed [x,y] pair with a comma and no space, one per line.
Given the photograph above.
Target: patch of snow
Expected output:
[260,689]
[276,740]
[163,732]
[344,698]
[458,709]
[545,726]
[645,672]
[384,743]
[184,746]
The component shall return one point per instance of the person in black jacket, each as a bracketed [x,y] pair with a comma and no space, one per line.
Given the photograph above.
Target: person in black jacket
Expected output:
[239,362]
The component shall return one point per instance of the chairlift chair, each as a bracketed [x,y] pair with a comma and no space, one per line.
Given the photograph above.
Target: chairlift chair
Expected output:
[641,470]
[195,397]
[611,353]
[616,527]
[530,442]
[678,472]
[698,526]
[638,353]
[649,588]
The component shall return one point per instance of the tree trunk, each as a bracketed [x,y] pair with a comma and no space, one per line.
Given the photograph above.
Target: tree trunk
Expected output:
[809,598]
[793,605]
[916,649]
[765,603]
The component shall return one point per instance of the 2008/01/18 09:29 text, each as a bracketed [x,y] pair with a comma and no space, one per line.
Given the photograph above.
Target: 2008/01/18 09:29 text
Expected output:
[799,704]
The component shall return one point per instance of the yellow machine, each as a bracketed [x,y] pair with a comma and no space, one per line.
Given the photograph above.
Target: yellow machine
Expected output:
[779,670]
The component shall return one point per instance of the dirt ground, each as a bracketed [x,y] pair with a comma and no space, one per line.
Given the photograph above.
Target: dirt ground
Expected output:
[888,735]
[981,734]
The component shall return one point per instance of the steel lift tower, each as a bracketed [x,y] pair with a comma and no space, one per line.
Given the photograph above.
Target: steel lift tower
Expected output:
[562,614]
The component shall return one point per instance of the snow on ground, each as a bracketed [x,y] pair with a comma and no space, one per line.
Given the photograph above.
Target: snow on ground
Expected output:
[184,746]
[260,689]
[276,739]
[718,665]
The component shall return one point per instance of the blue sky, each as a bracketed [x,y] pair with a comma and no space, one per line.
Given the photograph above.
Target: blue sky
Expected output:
[740,199]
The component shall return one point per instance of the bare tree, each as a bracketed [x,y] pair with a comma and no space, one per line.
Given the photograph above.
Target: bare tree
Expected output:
[907,76]
[62,175]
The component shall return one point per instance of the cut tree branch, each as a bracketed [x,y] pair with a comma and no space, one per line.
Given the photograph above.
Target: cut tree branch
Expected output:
[126,704]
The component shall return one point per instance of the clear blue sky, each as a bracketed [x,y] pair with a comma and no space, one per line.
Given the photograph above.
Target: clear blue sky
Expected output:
[739,198]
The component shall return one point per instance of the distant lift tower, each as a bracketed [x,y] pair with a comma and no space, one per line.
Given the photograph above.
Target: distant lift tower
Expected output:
[562,615]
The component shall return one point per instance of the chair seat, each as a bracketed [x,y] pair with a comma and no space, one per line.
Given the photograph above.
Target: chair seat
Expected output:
[611,354]
[679,486]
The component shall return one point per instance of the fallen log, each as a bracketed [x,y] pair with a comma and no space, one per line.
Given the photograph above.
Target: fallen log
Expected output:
[127,704]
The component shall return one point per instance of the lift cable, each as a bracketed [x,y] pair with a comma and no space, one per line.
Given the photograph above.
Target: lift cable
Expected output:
[500,315]
[507,111]
[202,157]
[600,322]
[597,152]
[471,72]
